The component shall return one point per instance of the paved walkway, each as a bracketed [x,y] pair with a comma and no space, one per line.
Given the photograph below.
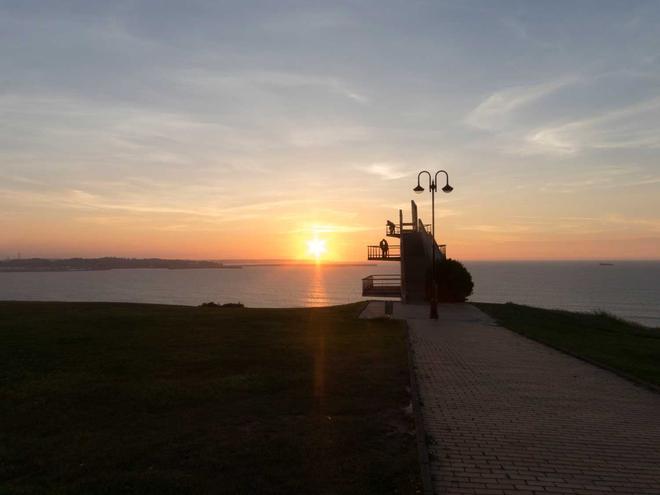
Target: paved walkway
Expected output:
[508,415]
[375,309]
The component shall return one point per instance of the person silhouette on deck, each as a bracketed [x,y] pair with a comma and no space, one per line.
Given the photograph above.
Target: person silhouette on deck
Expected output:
[384,247]
[390,227]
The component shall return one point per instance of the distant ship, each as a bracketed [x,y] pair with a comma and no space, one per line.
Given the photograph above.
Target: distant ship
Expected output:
[606,264]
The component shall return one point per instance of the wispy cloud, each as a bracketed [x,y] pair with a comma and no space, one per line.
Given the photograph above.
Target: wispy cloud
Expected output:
[242,82]
[594,224]
[386,171]
[331,228]
[495,111]
[496,228]
[135,203]
[632,126]
[323,136]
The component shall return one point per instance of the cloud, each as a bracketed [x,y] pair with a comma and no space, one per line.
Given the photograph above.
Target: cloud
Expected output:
[496,228]
[595,224]
[310,20]
[386,171]
[332,228]
[562,117]
[250,81]
[323,136]
[495,111]
[633,126]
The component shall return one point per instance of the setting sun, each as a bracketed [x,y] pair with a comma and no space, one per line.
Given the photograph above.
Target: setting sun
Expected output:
[316,247]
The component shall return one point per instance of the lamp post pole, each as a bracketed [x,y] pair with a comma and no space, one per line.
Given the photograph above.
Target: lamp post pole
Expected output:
[433,186]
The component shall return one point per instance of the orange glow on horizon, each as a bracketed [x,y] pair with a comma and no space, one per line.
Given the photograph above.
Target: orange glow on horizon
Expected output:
[471,232]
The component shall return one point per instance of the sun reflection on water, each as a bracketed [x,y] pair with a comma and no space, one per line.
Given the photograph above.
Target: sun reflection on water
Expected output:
[317,294]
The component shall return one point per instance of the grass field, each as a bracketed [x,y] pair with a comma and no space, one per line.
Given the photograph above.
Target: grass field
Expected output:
[599,337]
[130,398]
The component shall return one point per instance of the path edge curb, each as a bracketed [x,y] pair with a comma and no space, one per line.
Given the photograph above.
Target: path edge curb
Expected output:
[420,432]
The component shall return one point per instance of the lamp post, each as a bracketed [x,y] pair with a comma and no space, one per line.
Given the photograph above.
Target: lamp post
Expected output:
[433,181]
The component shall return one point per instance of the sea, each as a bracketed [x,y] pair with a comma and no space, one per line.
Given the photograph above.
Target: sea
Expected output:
[629,289]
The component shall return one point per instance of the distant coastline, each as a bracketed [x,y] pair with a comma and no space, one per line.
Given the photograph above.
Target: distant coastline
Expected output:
[116,263]
[107,263]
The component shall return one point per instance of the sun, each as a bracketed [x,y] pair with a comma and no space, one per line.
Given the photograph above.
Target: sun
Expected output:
[316,247]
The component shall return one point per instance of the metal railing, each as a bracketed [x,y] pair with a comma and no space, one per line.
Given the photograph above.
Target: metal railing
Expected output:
[393,230]
[427,229]
[423,227]
[376,253]
[383,284]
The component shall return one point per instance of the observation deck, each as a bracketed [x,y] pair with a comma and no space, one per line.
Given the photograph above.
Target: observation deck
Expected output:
[393,253]
[416,252]
[382,286]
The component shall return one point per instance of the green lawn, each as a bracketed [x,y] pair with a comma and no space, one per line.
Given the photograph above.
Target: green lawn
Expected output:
[131,398]
[624,346]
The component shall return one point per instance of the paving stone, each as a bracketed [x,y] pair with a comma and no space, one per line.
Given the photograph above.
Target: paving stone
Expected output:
[509,415]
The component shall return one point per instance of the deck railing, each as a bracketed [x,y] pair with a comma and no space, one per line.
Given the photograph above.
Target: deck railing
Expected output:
[395,230]
[382,285]
[376,253]
[427,228]
[423,227]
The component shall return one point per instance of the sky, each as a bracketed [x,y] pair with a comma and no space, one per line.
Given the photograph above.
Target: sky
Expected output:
[218,130]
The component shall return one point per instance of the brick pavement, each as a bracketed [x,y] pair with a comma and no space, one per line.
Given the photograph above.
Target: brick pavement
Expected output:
[506,414]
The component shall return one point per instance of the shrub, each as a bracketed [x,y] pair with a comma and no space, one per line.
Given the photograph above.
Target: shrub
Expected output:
[454,281]
[233,305]
[225,305]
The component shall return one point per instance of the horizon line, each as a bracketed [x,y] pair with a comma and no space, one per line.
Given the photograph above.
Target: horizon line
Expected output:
[322,261]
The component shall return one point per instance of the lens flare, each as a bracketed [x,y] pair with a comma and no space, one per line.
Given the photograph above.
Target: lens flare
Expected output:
[316,247]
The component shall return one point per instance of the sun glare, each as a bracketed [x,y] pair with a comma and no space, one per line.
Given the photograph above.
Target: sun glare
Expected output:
[316,247]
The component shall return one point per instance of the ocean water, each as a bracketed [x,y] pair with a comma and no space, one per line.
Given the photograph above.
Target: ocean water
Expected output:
[628,289]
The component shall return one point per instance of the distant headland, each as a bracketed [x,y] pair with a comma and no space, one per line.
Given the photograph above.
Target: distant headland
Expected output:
[107,263]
